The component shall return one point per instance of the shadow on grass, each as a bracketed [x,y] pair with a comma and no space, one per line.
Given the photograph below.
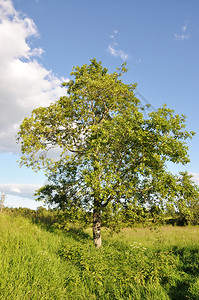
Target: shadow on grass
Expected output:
[189,258]
[189,272]
[180,291]
[78,234]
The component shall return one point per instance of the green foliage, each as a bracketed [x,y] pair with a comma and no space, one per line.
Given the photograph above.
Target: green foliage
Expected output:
[39,216]
[157,214]
[112,217]
[124,215]
[73,218]
[139,265]
[110,152]
[134,214]
[183,199]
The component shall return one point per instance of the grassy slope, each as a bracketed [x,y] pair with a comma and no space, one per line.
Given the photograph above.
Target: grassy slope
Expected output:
[136,264]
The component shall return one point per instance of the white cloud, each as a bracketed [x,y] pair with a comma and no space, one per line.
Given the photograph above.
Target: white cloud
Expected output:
[113,48]
[20,190]
[6,8]
[183,35]
[37,52]
[184,28]
[24,83]
[117,53]
[195,177]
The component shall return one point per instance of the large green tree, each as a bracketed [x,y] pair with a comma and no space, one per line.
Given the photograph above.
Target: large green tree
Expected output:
[110,150]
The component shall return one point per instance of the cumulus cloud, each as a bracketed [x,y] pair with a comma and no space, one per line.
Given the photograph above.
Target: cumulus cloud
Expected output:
[183,35]
[20,190]
[113,48]
[24,83]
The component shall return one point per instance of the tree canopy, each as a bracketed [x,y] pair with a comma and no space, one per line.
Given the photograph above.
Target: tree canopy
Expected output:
[110,150]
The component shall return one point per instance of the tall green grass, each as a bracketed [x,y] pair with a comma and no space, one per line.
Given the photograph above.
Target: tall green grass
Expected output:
[135,264]
[29,265]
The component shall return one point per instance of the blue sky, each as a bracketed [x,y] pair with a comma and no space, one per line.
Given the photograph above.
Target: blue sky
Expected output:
[41,40]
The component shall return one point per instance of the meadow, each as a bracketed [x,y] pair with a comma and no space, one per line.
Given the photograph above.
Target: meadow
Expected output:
[43,262]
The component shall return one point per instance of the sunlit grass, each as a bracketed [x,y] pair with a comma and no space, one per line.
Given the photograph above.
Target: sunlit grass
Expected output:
[137,263]
[167,236]
[29,266]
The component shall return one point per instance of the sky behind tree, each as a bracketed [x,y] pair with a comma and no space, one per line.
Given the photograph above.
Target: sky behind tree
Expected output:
[41,40]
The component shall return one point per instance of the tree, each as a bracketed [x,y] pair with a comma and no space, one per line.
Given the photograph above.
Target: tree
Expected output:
[3,196]
[110,152]
[183,199]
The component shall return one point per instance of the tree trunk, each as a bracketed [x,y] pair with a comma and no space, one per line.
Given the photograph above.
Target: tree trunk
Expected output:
[3,195]
[97,227]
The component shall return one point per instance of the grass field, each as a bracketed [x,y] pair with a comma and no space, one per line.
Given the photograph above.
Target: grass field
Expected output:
[140,263]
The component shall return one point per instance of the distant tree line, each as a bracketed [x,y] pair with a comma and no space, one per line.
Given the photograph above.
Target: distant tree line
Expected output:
[113,217]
